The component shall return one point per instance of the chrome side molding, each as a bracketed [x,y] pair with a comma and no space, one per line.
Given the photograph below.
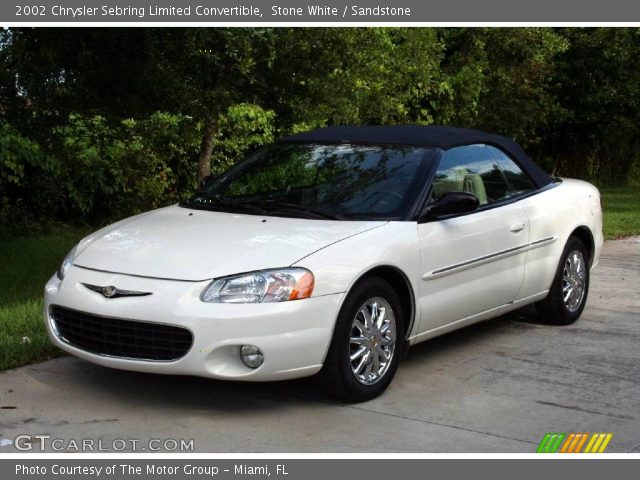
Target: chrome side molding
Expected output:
[492,257]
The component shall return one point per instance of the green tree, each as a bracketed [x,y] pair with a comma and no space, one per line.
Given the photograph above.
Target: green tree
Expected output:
[353,75]
[121,73]
[598,78]
[139,115]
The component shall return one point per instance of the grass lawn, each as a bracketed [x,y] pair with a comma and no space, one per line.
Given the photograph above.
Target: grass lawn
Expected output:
[621,207]
[27,263]
[25,266]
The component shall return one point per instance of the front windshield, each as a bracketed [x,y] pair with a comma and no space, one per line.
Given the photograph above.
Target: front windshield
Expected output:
[331,181]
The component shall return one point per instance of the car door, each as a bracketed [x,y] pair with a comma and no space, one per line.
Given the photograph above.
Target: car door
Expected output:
[471,263]
[544,212]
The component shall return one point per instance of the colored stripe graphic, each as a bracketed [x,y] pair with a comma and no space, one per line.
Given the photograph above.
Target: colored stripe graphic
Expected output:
[581,442]
[556,442]
[551,442]
[574,443]
[569,443]
[598,443]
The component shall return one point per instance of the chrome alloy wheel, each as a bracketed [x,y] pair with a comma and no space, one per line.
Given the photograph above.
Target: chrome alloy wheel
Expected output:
[574,280]
[373,340]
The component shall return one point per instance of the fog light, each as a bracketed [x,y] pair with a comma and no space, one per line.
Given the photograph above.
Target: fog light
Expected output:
[251,356]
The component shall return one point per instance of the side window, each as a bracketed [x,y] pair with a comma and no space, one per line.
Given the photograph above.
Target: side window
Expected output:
[518,181]
[471,169]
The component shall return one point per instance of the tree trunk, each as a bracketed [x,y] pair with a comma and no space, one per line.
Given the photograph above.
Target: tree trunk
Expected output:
[206,148]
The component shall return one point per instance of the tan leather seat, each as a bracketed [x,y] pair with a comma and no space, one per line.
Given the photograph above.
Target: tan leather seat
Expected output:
[440,187]
[453,183]
[473,184]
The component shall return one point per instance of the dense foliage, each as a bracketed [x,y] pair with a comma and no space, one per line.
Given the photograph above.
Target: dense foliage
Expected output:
[101,123]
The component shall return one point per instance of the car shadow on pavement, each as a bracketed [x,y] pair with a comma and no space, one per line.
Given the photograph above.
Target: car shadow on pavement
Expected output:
[435,348]
[194,393]
[142,390]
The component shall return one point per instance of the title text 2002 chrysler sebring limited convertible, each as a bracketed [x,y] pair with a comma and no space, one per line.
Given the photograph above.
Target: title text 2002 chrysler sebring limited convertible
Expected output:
[330,252]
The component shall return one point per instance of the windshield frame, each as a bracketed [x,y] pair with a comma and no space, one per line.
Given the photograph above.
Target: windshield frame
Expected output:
[414,201]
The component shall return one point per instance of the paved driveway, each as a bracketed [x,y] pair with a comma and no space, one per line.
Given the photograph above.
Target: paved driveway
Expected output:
[493,387]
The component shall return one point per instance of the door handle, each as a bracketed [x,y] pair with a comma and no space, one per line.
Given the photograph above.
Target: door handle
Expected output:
[517,227]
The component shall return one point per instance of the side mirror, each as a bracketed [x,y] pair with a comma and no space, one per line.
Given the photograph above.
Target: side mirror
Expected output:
[453,203]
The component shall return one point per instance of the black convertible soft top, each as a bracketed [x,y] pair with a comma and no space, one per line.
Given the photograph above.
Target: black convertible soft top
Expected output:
[421,135]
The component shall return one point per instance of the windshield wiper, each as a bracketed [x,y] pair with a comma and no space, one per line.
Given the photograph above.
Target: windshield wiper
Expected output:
[284,207]
[217,202]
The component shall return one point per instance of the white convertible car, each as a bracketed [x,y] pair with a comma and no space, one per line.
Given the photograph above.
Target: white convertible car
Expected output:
[330,253]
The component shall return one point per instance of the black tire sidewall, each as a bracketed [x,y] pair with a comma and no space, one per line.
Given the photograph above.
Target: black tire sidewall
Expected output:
[345,385]
[553,308]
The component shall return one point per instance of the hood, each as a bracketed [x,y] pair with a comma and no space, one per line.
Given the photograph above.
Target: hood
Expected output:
[185,244]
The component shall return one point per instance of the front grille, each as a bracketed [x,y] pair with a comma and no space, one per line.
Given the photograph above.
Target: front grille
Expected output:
[121,338]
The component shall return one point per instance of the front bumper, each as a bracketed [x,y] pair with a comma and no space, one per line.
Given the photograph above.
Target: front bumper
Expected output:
[294,336]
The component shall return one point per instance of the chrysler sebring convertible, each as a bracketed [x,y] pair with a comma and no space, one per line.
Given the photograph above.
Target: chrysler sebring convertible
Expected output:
[330,253]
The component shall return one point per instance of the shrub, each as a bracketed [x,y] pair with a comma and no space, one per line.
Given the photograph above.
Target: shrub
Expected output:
[243,129]
[134,165]
[26,186]
[94,170]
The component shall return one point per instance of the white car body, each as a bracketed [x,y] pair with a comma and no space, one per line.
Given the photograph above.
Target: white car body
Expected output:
[456,271]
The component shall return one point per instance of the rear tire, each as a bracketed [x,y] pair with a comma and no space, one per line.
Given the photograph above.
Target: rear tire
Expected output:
[568,294]
[367,343]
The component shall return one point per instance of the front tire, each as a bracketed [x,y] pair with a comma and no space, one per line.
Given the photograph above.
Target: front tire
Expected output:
[367,343]
[568,294]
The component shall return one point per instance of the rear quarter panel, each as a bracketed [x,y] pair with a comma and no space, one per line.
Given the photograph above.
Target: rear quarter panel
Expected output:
[557,212]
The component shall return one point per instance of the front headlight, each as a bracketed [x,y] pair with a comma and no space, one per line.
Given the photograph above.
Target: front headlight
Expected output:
[278,285]
[66,263]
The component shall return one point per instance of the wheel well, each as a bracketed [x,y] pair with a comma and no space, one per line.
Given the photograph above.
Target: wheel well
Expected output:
[400,283]
[584,234]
